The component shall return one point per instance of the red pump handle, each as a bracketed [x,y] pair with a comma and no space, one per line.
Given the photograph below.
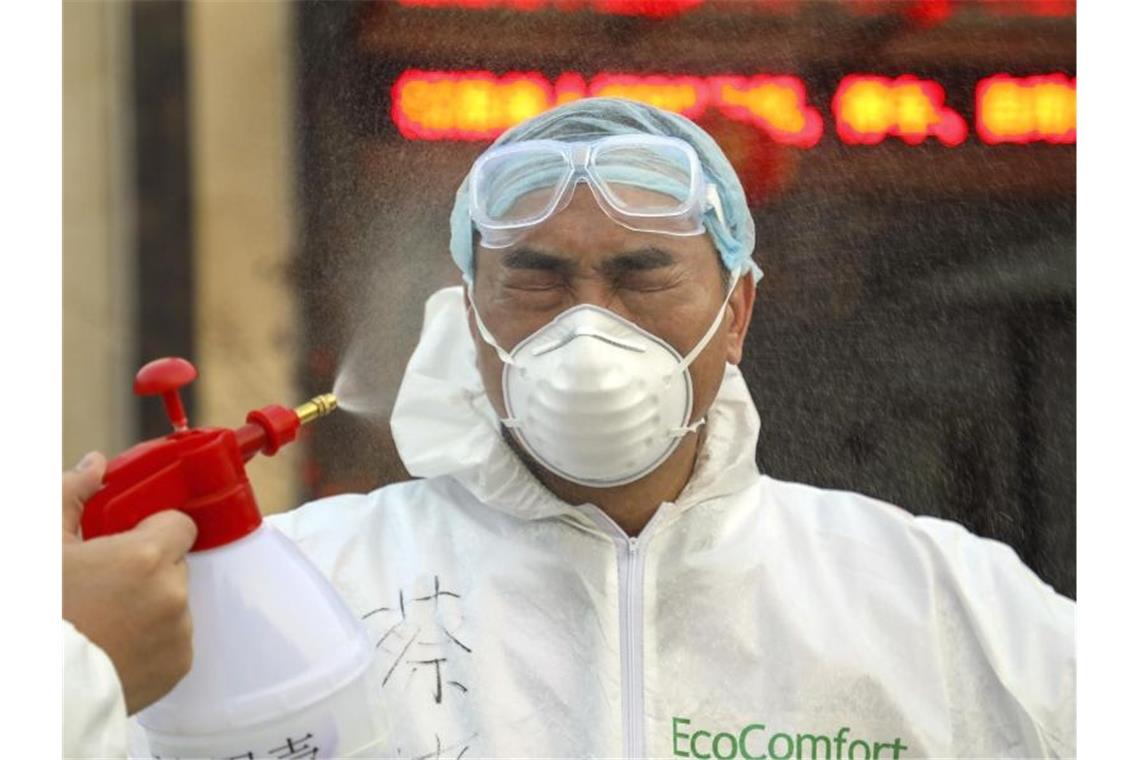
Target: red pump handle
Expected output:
[165,377]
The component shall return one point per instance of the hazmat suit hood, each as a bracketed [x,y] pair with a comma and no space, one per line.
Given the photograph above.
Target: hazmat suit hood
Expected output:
[444,424]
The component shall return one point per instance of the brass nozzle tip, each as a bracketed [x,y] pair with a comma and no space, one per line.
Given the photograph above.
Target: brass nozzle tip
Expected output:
[318,406]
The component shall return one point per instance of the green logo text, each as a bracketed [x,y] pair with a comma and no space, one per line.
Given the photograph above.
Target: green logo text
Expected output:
[756,742]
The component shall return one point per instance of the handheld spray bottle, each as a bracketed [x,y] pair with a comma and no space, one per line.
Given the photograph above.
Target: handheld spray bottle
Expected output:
[280,663]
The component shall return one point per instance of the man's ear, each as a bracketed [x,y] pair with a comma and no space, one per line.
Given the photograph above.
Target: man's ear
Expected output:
[739,316]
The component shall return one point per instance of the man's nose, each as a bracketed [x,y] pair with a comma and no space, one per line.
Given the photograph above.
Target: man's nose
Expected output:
[596,291]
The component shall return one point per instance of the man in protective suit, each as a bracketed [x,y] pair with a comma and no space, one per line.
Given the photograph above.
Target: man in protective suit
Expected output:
[591,564]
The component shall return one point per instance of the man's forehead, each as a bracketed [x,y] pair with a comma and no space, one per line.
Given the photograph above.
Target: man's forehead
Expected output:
[583,231]
[626,192]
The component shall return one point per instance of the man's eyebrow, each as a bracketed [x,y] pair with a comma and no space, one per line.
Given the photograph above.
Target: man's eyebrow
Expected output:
[529,258]
[643,259]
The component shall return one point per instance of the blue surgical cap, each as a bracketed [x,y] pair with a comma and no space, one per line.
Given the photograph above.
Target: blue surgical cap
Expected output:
[592,118]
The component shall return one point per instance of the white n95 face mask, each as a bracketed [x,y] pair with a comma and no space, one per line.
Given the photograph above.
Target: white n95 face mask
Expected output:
[596,399]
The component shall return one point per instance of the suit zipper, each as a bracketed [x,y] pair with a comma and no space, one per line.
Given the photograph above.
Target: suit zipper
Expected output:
[631,583]
[633,693]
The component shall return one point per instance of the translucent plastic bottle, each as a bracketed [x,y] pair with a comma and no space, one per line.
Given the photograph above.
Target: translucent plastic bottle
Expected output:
[281,666]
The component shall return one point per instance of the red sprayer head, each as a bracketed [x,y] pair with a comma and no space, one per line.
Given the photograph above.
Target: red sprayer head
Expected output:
[199,471]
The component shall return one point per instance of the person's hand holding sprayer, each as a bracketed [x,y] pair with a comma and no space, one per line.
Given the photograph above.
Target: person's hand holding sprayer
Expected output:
[127,593]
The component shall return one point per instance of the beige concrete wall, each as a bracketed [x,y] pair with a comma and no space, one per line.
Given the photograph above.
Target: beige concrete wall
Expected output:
[98,334]
[241,95]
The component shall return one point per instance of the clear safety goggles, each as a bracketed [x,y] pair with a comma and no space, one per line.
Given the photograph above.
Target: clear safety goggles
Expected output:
[647,183]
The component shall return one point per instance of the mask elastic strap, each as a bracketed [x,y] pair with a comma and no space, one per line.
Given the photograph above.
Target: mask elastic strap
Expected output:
[686,429]
[692,355]
[704,341]
[489,339]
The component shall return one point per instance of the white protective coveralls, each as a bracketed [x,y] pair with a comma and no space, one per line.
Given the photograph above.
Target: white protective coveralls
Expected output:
[94,710]
[752,618]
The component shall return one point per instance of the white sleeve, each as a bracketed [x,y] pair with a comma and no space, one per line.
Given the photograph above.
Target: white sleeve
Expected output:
[94,710]
[1026,630]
